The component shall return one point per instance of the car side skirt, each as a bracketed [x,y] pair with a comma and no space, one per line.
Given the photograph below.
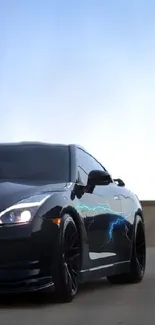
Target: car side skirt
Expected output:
[104,271]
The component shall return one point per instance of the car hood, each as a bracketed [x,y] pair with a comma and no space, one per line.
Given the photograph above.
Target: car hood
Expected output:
[12,192]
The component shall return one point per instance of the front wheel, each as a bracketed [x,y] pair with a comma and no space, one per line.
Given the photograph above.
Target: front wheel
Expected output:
[138,257]
[67,270]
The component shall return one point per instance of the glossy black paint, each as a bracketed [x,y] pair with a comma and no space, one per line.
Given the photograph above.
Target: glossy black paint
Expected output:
[29,251]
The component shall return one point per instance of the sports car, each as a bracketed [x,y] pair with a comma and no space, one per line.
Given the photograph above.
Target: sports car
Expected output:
[64,220]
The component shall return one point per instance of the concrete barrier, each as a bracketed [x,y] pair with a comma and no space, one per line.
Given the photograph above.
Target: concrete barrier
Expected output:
[149,216]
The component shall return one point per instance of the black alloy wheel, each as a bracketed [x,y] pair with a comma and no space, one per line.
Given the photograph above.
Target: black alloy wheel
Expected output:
[140,248]
[69,264]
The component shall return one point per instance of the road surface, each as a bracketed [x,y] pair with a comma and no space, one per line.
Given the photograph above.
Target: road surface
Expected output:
[97,303]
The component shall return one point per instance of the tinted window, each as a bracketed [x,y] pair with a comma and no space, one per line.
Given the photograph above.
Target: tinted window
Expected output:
[34,163]
[86,163]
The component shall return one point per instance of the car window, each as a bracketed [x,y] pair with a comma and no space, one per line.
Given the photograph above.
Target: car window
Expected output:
[34,163]
[86,163]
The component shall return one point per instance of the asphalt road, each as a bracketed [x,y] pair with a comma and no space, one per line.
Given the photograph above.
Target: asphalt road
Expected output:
[97,303]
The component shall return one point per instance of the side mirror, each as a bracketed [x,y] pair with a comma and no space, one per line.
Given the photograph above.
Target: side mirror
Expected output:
[99,177]
[119,182]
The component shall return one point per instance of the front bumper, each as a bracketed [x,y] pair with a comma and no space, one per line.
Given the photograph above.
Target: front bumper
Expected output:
[27,255]
[27,285]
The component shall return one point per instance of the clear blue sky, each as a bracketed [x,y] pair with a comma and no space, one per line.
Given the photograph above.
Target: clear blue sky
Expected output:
[84,72]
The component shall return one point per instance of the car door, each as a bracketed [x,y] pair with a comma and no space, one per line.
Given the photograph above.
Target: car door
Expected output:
[100,210]
[124,236]
[110,225]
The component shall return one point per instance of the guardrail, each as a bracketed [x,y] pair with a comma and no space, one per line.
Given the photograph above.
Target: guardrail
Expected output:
[149,216]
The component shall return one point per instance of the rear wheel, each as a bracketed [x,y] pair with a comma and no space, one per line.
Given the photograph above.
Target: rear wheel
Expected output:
[138,257]
[66,274]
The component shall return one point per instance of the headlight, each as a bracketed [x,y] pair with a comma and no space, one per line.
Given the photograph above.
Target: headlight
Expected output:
[23,211]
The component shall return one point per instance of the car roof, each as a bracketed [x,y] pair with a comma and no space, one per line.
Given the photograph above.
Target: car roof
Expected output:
[37,143]
[29,143]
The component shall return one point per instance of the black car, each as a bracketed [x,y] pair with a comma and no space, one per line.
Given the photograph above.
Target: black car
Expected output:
[64,220]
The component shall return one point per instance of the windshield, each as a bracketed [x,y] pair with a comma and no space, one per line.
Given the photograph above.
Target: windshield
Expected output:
[34,163]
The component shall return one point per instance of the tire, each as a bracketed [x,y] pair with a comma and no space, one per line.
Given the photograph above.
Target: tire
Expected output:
[67,270]
[138,257]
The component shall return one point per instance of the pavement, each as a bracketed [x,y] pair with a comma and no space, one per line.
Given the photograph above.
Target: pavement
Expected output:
[97,303]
